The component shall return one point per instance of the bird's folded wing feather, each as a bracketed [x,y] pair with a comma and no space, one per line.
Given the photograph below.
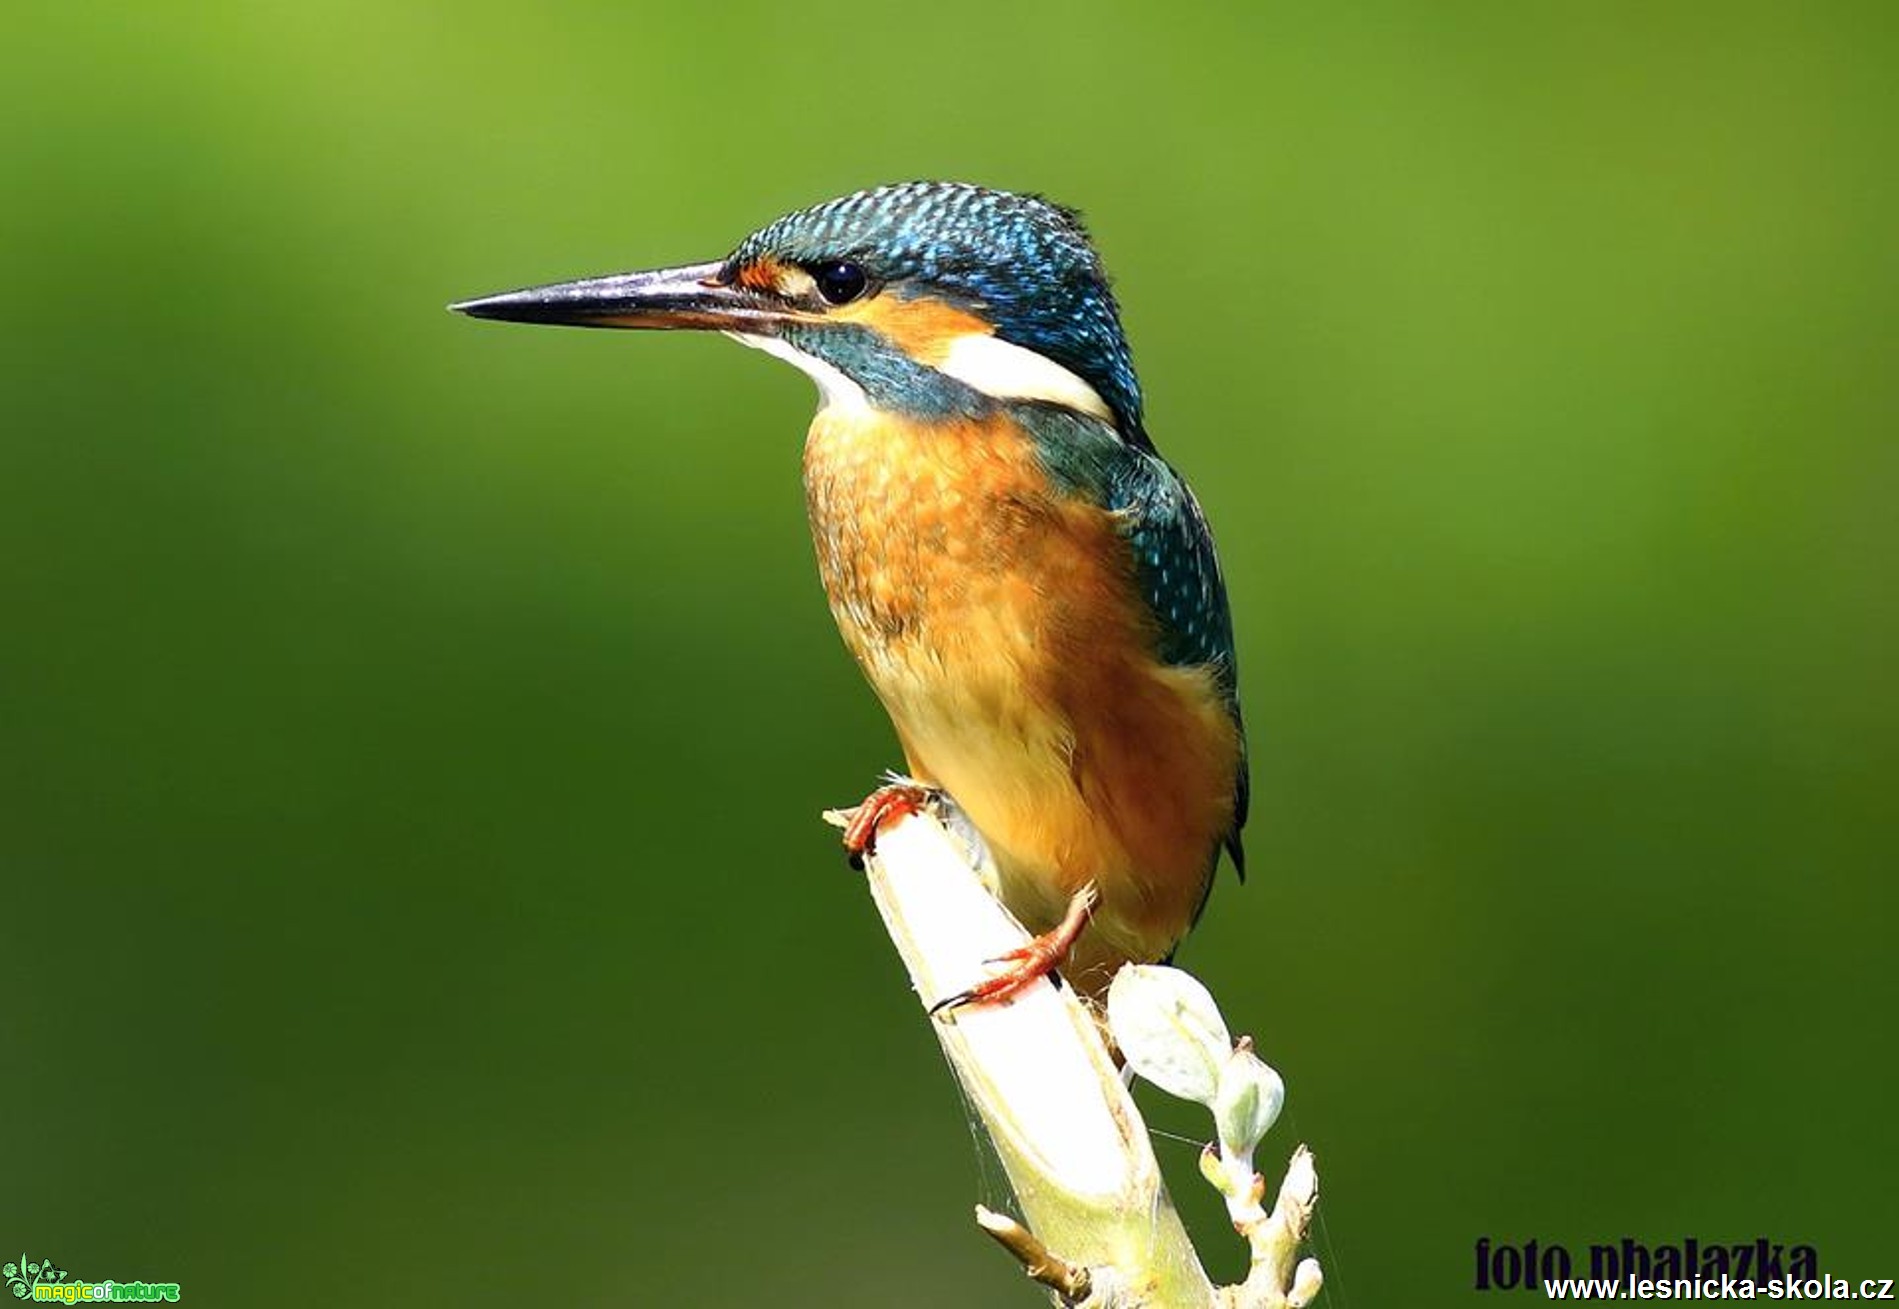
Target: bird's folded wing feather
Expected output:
[1179,573]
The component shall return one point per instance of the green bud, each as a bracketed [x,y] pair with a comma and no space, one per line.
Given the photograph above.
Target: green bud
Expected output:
[1247,1102]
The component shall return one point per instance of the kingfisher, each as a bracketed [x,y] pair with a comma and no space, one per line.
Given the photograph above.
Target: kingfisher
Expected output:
[1030,589]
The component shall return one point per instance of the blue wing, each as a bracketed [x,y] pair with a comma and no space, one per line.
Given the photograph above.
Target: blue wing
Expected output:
[1180,573]
[1176,566]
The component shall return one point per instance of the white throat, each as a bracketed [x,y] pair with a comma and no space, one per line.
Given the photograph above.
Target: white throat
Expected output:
[835,390]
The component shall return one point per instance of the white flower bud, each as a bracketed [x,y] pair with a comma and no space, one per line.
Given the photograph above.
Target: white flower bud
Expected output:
[1306,1281]
[1170,1030]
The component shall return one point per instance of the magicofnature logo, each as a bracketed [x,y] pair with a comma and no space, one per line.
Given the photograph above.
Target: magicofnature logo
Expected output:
[42,1273]
[41,1281]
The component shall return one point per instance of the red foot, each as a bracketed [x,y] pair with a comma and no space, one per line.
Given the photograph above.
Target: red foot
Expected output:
[884,805]
[1035,960]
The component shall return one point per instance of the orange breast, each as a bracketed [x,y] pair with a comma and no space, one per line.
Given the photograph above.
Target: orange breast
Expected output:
[999,622]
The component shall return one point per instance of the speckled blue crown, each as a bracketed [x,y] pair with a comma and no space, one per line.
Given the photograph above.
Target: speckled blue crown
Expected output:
[1024,264]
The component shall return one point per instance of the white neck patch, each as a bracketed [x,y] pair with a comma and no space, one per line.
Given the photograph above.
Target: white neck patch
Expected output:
[835,390]
[1003,370]
[999,369]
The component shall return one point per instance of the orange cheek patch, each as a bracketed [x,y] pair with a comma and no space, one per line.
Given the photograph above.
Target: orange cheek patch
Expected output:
[920,326]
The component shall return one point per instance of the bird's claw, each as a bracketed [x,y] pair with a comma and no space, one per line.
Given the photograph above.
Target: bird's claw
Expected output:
[1028,964]
[888,803]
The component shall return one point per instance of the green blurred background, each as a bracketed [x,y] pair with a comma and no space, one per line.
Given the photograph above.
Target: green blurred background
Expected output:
[412,730]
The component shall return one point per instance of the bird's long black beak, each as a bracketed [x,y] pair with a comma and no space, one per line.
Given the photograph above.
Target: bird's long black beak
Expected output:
[694,297]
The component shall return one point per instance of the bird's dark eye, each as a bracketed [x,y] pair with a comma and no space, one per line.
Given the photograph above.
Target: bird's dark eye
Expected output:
[839,281]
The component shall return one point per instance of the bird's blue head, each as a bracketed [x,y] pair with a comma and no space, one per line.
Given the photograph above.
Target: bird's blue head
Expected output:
[930,297]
